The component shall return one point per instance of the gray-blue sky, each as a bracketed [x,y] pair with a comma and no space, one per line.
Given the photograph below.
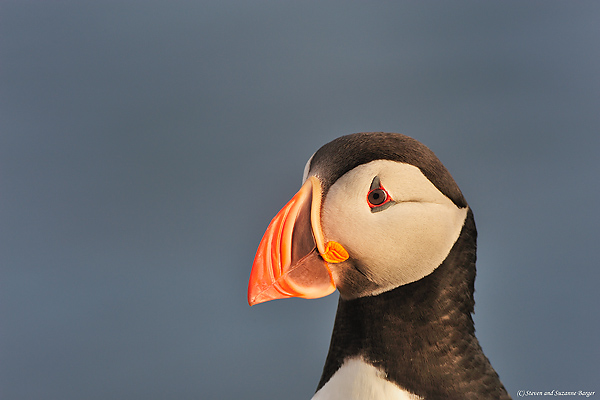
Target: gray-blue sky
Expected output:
[146,145]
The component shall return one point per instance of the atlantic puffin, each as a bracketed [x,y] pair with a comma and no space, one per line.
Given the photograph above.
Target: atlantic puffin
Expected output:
[382,220]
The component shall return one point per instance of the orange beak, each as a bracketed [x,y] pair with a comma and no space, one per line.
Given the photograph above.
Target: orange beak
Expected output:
[292,257]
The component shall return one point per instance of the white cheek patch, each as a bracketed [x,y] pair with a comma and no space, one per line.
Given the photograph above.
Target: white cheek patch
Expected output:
[403,243]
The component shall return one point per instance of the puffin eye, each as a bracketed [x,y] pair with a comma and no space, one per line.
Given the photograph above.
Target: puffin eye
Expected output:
[377,196]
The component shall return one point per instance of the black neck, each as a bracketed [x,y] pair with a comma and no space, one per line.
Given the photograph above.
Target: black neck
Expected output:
[421,334]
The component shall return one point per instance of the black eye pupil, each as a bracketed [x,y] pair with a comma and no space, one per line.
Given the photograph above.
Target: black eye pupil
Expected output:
[377,197]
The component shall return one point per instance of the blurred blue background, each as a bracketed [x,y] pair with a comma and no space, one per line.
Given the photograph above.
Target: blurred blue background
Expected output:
[146,145]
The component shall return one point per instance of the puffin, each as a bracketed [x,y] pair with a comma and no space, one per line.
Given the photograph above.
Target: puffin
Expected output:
[379,218]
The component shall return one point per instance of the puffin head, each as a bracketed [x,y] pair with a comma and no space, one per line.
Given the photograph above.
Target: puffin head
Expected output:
[376,211]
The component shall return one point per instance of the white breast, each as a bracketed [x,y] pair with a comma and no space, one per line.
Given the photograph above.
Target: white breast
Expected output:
[358,380]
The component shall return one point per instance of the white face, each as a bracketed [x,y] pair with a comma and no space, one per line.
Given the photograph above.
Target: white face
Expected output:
[400,242]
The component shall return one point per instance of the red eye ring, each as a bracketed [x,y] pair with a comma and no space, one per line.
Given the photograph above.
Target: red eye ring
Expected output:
[378,197]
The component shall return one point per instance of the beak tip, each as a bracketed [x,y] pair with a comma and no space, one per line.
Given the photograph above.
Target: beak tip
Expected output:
[252,297]
[255,298]
[262,296]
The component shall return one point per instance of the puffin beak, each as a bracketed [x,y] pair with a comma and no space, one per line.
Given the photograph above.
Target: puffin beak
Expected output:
[292,258]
